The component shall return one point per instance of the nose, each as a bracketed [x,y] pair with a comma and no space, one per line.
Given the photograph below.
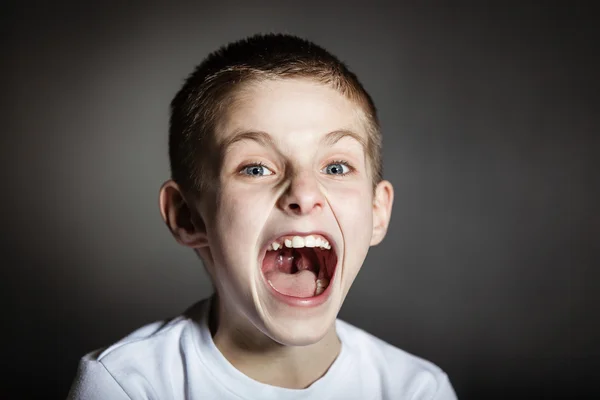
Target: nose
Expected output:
[302,197]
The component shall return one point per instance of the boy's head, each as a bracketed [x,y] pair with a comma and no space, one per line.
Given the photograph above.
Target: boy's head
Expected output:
[275,155]
[224,77]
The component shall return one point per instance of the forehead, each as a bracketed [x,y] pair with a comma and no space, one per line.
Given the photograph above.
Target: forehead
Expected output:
[290,108]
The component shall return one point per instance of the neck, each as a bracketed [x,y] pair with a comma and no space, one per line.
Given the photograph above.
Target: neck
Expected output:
[264,360]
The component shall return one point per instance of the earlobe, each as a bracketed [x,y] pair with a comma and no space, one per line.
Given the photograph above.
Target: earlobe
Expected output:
[382,210]
[179,217]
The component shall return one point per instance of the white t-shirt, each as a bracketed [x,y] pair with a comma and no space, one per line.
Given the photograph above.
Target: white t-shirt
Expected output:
[178,359]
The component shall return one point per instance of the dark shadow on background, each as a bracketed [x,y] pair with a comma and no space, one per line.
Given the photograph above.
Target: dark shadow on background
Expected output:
[491,139]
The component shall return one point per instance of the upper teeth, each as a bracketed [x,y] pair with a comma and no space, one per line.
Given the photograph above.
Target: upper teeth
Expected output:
[299,241]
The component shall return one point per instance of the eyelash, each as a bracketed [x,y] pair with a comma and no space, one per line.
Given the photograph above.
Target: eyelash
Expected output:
[351,169]
[254,164]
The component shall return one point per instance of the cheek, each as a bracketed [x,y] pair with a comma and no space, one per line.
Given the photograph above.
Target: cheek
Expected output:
[354,211]
[239,208]
[239,218]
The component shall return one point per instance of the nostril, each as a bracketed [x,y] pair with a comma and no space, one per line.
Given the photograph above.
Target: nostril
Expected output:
[294,206]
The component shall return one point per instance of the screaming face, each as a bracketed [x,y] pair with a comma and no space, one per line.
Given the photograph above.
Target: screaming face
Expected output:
[294,212]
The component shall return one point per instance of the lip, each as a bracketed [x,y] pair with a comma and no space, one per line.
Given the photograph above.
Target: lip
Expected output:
[305,302]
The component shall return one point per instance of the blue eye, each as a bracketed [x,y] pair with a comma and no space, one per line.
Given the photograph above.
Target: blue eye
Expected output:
[337,168]
[256,170]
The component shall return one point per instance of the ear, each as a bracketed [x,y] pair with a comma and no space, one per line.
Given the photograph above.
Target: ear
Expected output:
[179,217]
[382,210]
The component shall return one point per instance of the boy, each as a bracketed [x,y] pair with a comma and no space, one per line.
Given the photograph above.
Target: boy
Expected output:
[277,185]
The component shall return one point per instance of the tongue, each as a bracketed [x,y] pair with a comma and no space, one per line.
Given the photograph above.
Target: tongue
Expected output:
[289,271]
[300,284]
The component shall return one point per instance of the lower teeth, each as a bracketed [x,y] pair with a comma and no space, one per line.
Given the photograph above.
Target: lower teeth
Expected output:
[321,286]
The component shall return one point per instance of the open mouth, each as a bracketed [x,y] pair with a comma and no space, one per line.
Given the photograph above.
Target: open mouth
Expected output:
[299,266]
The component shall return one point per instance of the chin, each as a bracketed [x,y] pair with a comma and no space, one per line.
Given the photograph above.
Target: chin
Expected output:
[301,330]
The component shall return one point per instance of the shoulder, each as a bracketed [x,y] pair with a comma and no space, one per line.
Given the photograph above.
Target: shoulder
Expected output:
[143,346]
[400,373]
[94,381]
[138,363]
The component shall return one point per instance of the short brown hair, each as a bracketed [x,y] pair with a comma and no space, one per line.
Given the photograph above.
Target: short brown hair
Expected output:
[204,98]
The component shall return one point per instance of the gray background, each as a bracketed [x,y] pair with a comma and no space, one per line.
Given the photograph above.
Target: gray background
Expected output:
[490,131]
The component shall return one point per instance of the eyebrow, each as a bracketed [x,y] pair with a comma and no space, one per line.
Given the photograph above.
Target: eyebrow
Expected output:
[262,138]
[335,136]
[265,139]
